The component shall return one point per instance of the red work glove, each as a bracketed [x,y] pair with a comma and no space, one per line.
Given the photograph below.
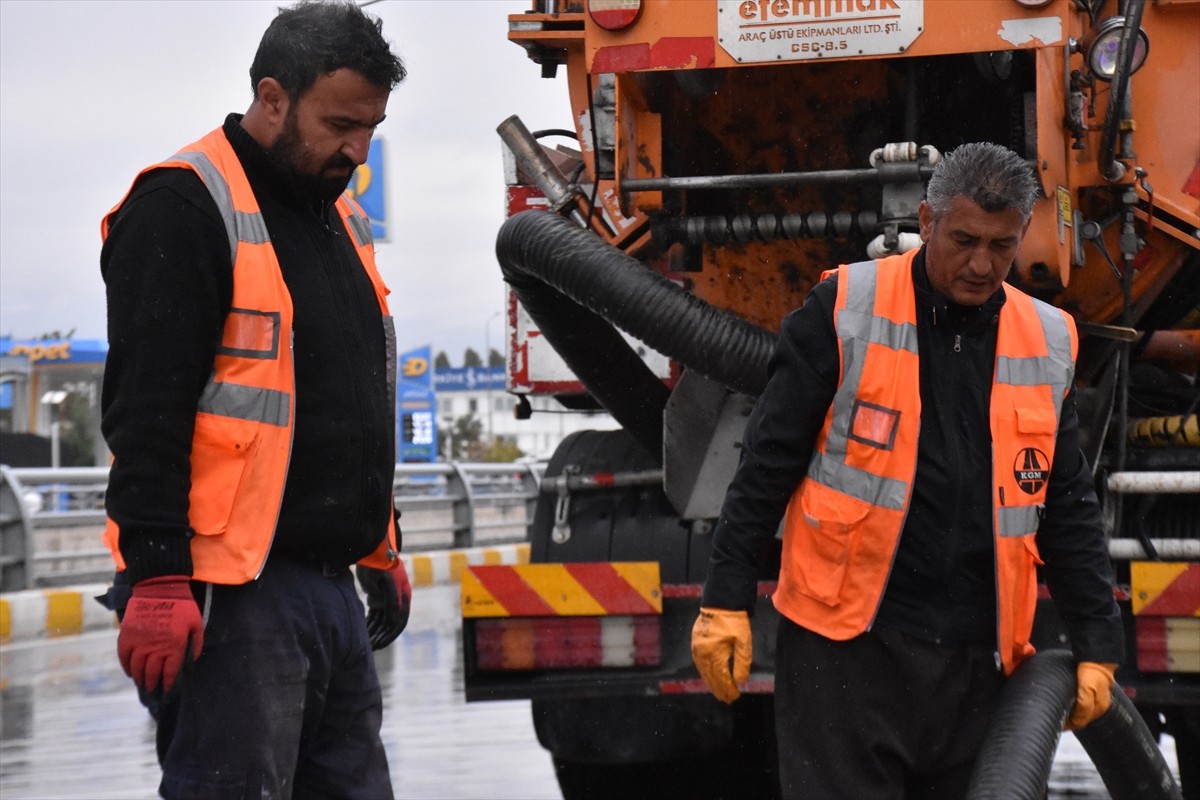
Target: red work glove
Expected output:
[1093,693]
[718,635]
[389,600]
[161,628]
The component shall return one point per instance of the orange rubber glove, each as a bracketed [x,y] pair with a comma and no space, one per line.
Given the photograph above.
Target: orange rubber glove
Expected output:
[718,635]
[1093,693]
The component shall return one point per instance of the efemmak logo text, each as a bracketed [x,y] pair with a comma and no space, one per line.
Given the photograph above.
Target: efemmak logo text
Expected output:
[810,10]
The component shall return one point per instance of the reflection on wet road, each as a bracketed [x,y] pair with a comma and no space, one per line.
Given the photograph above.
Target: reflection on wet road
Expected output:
[71,726]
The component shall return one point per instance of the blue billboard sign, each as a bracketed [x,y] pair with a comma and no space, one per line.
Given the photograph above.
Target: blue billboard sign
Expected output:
[416,368]
[468,379]
[48,352]
[367,187]
[416,434]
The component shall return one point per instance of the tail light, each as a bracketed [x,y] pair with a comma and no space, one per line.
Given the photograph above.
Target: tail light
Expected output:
[1168,644]
[525,643]
[558,616]
[1165,601]
[614,15]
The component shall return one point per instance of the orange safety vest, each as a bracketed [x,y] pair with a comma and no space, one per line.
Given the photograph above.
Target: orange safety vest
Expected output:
[843,523]
[246,412]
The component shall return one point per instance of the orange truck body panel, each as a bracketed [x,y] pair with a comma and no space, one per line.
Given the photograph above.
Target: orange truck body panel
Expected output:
[742,147]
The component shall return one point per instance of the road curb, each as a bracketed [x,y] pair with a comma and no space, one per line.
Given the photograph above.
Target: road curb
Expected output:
[51,613]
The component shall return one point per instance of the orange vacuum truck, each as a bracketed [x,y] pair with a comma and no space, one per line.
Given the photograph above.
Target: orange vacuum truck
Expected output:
[719,155]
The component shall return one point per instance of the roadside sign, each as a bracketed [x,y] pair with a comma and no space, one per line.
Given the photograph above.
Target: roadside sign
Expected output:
[367,187]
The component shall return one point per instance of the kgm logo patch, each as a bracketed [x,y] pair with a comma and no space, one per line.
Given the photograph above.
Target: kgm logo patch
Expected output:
[1031,470]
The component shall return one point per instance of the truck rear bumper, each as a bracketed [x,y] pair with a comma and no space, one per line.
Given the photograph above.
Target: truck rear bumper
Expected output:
[673,675]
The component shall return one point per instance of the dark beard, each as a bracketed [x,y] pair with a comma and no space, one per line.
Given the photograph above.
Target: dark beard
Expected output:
[286,153]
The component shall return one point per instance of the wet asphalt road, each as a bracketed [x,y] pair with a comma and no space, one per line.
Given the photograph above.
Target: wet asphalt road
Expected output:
[71,726]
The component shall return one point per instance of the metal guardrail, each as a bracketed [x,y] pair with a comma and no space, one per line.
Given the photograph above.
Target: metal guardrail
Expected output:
[51,519]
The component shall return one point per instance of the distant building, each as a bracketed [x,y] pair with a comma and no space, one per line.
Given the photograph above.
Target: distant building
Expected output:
[479,392]
[55,384]
[50,389]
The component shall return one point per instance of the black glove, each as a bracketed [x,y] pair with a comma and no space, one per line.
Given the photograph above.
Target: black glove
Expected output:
[389,600]
[116,598]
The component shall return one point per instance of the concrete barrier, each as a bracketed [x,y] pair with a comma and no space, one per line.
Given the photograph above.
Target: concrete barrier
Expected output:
[446,566]
[48,613]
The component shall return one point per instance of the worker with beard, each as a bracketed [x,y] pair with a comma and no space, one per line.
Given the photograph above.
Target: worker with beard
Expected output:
[249,403]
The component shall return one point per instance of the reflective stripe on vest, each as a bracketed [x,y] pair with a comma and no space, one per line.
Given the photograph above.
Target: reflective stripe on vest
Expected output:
[246,402]
[360,225]
[251,403]
[858,326]
[240,226]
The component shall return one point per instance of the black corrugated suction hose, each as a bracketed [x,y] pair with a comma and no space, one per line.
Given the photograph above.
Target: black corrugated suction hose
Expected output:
[1127,756]
[576,287]
[1015,761]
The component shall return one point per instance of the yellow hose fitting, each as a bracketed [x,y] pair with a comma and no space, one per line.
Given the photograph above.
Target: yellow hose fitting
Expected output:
[1176,431]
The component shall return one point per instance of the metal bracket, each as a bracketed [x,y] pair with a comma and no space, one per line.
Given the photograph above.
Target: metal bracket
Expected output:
[1093,231]
[562,508]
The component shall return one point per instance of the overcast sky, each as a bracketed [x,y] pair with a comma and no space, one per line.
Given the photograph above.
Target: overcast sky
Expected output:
[91,92]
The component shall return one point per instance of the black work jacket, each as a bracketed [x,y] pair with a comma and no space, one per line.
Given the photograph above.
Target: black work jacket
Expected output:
[942,584]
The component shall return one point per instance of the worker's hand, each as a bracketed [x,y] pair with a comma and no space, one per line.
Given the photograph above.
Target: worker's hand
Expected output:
[161,629]
[1093,693]
[389,599]
[719,635]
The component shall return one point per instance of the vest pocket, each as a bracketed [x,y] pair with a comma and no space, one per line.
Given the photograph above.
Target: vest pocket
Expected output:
[1040,421]
[828,521]
[1032,549]
[221,448]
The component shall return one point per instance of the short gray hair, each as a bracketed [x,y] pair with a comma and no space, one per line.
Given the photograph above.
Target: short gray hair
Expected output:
[993,177]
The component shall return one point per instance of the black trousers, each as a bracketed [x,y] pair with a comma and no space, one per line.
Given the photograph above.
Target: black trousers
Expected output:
[284,701]
[881,716]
